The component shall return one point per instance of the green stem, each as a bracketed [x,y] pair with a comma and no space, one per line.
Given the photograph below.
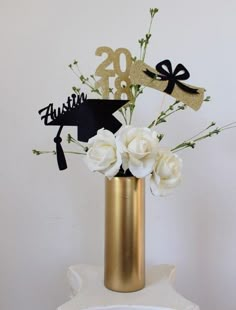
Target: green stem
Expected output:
[227,128]
[181,149]
[85,80]
[164,114]
[77,153]
[192,143]
[124,115]
[211,125]
[73,140]
[37,152]
[146,42]
[137,91]
[131,109]
[230,124]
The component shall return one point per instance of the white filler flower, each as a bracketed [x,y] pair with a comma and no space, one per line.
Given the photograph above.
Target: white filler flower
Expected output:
[102,155]
[138,147]
[166,174]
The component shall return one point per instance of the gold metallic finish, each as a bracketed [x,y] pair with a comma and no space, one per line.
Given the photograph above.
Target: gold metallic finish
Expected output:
[125,234]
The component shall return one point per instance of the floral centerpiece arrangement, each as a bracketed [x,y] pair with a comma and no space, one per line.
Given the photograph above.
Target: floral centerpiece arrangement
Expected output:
[123,153]
[133,151]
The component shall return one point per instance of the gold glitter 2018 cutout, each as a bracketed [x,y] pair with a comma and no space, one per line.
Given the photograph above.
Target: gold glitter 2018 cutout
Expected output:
[111,68]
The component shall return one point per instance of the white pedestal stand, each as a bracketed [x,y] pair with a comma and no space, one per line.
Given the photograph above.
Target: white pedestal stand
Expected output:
[87,290]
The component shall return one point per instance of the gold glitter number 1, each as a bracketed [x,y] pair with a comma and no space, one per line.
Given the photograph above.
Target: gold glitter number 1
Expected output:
[105,71]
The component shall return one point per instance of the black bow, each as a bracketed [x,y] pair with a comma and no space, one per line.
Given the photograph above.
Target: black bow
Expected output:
[172,77]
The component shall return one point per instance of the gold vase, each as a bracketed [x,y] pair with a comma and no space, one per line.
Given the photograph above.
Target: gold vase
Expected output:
[124,234]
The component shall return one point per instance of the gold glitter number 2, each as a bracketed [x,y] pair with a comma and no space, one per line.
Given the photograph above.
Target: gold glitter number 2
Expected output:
[106,71]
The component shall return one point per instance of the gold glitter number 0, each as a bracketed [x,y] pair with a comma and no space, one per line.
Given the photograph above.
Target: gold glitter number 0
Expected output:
[122,80]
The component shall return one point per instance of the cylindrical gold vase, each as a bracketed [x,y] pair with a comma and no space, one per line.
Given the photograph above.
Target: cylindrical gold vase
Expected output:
[124,234]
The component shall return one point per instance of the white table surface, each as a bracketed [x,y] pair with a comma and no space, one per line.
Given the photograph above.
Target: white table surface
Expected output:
[87,290]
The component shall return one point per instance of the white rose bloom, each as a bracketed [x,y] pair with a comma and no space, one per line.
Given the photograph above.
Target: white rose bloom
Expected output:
[138,147]
[166,174]
[102,155]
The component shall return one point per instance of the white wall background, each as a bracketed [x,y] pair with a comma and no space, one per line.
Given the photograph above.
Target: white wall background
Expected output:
[50,219]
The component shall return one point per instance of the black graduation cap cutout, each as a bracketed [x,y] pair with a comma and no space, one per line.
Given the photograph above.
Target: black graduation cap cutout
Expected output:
[89,115]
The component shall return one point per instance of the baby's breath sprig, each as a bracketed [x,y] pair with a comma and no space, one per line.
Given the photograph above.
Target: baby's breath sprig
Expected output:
[207,99]
[143,42]
[196,138]
[76,90]
[70,139]
[88,81]
[173,108]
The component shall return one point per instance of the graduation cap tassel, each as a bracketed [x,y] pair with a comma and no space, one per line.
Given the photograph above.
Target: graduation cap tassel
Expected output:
[61,160]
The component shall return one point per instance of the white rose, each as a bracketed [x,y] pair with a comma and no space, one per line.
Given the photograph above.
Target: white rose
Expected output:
[102,155]
[138,147]
[166,174]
